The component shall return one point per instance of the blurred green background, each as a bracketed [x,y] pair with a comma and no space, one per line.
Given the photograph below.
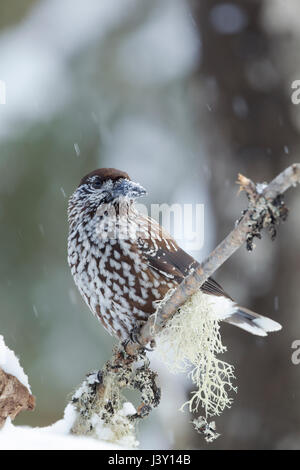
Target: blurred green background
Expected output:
[182,95]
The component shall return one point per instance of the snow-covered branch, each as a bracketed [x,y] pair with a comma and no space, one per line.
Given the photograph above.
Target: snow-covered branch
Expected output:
[15,393]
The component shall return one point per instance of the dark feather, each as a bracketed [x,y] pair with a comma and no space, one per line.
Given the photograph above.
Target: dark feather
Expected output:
[171,260]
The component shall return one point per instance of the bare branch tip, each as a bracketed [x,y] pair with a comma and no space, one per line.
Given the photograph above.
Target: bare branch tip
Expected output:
[246,185]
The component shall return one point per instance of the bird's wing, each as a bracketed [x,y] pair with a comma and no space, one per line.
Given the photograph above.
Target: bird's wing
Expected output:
[165,256]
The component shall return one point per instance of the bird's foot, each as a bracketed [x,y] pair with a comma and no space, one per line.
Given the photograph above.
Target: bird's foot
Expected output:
[134,337]
[100,376]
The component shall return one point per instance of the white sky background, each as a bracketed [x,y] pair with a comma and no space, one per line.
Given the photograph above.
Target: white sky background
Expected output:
[34,54]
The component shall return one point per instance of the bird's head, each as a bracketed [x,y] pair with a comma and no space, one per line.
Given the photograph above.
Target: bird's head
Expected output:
[104,186]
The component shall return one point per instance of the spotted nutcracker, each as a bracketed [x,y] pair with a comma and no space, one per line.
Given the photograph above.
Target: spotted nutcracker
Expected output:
[123,262]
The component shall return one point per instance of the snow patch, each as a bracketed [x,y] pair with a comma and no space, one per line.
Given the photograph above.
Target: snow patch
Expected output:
[57,436]
[11,365]
[108,433]
[26,438]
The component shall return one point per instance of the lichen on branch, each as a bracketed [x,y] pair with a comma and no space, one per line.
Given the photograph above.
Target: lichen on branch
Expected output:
[191,343]
[102,411]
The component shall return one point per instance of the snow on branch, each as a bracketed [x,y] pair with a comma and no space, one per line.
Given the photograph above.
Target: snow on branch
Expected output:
[15,393]
[99,401]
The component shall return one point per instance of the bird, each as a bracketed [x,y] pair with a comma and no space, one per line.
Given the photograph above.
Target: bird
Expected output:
[124,262]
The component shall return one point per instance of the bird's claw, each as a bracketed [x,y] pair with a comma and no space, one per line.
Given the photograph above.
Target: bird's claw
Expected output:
[134,337]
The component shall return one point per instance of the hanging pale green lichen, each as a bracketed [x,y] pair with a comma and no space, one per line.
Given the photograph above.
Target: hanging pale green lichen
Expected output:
[190,343]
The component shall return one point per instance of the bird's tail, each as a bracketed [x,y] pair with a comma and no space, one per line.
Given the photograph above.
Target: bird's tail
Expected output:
[252,322]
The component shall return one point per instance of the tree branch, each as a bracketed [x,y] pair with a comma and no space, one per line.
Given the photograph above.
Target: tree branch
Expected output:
[14,397]
[265,211]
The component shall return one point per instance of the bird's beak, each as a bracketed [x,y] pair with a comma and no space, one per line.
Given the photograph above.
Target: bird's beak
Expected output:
[127,188]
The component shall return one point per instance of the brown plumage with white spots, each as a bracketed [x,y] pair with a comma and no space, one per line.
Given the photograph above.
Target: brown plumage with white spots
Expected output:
[123,262]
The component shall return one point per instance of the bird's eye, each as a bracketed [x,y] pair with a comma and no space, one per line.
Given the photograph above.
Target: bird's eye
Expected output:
[97,184]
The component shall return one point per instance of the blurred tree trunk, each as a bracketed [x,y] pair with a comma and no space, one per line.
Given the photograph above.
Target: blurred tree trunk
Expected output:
[241,104]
